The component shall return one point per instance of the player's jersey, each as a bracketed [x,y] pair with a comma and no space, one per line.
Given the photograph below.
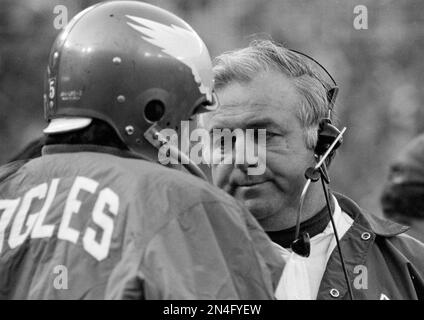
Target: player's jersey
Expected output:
[88,223]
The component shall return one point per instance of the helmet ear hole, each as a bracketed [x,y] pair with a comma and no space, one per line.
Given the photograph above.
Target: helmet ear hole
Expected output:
[154,110]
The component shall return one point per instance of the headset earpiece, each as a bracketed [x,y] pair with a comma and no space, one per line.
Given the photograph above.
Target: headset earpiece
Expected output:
[327,133]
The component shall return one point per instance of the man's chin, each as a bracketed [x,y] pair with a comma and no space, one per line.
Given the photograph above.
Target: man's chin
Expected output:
[258,208]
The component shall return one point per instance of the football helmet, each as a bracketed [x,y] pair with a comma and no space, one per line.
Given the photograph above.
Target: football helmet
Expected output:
[133,65]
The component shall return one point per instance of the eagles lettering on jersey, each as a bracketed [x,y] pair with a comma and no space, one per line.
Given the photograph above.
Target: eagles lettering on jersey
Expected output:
[25,220]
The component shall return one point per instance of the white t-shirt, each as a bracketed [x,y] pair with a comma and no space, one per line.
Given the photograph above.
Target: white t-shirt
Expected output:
[302,276]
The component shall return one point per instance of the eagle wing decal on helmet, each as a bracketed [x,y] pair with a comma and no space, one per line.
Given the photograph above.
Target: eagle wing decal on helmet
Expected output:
[180,43]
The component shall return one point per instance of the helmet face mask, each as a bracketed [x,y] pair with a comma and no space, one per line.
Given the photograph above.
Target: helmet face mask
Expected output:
[132,65]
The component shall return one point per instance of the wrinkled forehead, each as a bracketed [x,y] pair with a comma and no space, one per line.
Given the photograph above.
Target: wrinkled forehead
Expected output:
[263,102]
[239,115]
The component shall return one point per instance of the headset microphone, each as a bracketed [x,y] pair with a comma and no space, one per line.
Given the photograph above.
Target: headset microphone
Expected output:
[301,245]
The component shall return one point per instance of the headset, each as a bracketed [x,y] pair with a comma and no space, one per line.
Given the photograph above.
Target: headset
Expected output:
[329,139]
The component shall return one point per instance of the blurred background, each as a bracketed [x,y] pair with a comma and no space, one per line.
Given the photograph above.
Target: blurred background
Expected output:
[380,70]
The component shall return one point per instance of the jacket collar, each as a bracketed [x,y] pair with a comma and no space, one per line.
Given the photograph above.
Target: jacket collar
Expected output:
[71,148]
[377,225]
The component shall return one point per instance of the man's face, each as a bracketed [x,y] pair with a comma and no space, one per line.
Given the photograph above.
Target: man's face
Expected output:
[268,102]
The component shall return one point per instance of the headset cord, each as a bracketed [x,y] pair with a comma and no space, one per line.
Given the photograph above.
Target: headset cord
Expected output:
[156,139]
[187,162]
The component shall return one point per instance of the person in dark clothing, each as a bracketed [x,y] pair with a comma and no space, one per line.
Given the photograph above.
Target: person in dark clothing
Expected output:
[402,199]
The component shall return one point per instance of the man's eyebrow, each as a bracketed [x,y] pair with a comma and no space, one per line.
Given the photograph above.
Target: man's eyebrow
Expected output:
[261,123]
[244,103]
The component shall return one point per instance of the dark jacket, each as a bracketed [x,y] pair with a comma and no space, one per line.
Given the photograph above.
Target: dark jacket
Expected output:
[382,262]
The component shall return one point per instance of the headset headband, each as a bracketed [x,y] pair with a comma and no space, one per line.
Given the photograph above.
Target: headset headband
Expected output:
[334,90]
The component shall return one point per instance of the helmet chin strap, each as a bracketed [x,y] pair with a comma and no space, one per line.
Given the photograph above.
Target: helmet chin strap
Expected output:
[156,139]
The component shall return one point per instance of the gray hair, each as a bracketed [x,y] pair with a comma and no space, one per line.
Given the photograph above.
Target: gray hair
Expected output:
[243,65]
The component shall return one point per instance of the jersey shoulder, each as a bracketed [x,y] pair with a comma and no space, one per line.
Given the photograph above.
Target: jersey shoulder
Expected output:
[10,168]
[174,182]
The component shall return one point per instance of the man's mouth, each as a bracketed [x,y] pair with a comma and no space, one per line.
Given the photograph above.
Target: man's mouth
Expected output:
[237,187]
[248,187]
[249,190]
[249,184]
